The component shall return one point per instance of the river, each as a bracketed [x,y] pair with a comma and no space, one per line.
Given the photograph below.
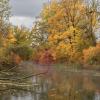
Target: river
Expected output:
[58,85]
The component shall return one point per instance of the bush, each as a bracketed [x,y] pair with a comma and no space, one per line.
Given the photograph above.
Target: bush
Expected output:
[91,56]
[24,52]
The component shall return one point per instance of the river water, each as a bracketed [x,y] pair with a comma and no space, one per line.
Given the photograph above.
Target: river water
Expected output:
[60,85]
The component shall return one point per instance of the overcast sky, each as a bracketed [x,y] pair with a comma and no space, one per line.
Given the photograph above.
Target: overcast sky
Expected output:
[25,11]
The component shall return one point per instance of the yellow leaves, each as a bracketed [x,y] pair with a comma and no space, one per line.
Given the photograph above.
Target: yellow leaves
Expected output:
[68,23]
[10,36]
[50,38]
[59,14]
[45,12]
[51,21]
[55,37]
[62,45]
[71,31]
[2,53]
[64,35]
[49,9]
[89,51]
[66,48]
[63,49]
[94,20]
[81,7]
[74,29]
[53,5]
[92,55]
[59,26]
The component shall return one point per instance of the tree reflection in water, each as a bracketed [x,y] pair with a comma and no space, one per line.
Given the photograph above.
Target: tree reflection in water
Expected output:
[57,85]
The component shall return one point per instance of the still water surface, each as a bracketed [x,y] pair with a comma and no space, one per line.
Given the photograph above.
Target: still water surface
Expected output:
[60,85]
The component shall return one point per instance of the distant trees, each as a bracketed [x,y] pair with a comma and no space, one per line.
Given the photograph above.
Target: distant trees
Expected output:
[21,42]
[15,45]
[66,28]
[70,27]
[4,15]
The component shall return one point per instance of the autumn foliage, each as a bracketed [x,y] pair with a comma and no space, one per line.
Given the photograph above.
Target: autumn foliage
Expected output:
[44,57]
[67,28]
[91,55]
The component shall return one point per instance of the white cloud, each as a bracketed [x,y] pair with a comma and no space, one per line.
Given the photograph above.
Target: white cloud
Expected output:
[25,11]
[22,21]
[29,8]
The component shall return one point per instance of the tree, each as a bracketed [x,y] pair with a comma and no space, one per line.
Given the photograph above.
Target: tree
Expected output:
[4,16]
[22,36]
[19,42]
[39,33]
[10,38]
[71,25]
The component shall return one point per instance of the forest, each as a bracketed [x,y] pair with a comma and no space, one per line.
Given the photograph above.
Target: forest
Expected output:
[64,36]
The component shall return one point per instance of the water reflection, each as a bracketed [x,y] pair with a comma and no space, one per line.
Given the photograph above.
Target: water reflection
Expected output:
[28,96]
[60,85]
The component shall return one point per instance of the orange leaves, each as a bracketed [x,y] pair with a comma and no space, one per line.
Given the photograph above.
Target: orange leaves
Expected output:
[49,10]
[45,57]
[54,37]
[92,55]
[94,20]
[68,22]
[15,58]
[10,38]
[64,35]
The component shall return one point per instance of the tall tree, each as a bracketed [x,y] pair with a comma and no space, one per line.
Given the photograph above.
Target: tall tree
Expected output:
[71,24]
[4,15]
